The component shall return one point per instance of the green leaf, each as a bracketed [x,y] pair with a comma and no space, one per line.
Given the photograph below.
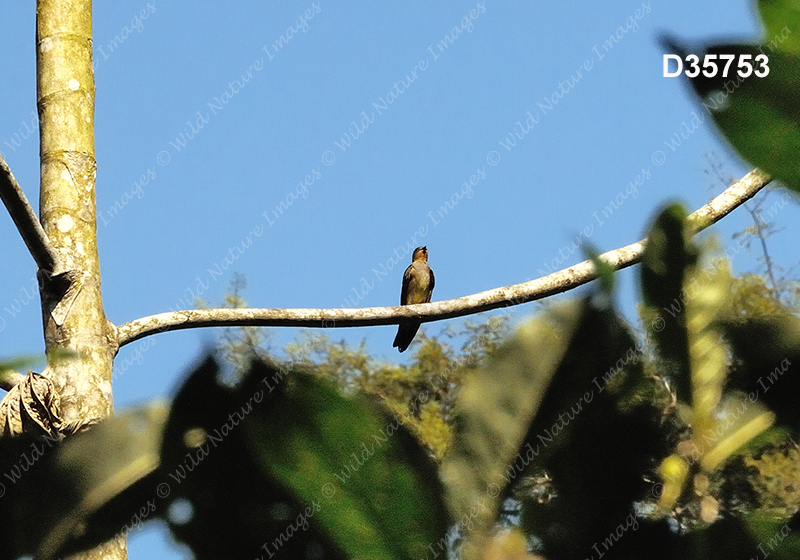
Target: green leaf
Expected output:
[605,271]
[776,539]
[766,359]
[759,116]
[212,490]
[666,258]
[495,409]
[369,484]
[550,399]
[55,488]
[782,20]
[594,445]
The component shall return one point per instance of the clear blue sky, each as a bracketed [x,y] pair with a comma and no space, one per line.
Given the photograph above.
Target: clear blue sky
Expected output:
[207,121]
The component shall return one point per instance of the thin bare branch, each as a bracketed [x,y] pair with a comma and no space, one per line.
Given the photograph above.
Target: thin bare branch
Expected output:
[555,283]
[27,223]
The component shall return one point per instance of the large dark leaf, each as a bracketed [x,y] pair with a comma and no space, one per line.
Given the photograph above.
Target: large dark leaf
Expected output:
[550,399]
[284,466]
[663,270]
[595,450]
[495,408]
[760,116]
[767,358]
[55,488]
[372,488]
[215,496]
[293,470]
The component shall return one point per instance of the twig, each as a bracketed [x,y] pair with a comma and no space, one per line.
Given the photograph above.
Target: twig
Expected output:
[759,228]
[9,379]
[27,223]
[555,283]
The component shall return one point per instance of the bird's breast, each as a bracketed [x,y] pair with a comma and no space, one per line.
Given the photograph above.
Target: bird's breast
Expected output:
[419,285]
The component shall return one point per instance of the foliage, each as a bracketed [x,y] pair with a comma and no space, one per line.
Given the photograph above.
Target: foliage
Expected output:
[760,116]
[572,437]
[279,466]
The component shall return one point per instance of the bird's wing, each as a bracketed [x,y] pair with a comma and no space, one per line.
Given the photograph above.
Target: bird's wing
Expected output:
[406,287]
[430,286]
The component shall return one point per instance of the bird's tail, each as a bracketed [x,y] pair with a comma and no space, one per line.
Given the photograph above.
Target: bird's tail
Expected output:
[405,334]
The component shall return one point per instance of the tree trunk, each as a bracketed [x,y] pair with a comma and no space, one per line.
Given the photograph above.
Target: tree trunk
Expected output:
[80,342]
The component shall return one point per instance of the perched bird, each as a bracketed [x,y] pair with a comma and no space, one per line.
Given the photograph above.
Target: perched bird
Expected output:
[417,288]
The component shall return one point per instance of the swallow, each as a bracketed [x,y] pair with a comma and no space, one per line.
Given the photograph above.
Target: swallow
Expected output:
[418,284]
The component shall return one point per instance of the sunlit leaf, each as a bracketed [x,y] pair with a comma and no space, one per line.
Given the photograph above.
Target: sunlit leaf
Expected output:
[782,20]
[706,298]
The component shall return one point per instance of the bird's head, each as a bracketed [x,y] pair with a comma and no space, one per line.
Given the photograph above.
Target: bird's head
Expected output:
[420,254]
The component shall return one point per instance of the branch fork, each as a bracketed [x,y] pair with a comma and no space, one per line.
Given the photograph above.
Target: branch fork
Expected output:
[28,224]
